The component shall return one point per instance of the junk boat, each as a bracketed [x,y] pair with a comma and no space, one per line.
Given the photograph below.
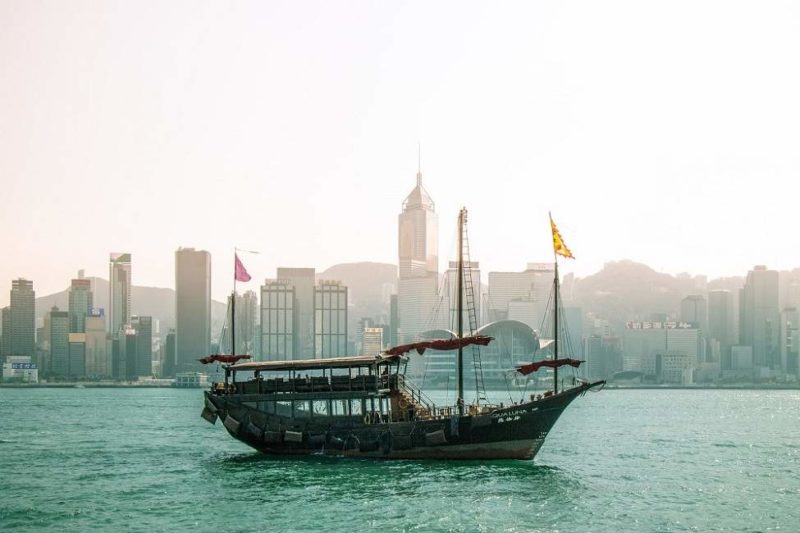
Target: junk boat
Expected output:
[365,406]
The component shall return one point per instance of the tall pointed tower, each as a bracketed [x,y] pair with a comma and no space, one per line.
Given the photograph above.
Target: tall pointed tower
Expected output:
[418,236]
[418,250]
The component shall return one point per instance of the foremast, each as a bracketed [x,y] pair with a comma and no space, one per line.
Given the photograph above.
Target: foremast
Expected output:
[559,248]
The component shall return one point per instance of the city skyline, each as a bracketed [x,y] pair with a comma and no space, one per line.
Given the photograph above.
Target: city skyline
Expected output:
[217,132]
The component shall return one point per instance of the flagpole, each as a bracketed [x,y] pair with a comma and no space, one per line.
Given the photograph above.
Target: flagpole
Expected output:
[233,307]
[555,312]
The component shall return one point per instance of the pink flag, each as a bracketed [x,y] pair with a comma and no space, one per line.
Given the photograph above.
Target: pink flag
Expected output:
[241,272]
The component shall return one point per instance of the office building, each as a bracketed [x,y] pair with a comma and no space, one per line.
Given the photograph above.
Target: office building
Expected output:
[721,324]
[277,320]
[192,308]
[81,301]
[418,302]
[77,355]
[59,343]
[330,319]
[759,317]
[119,291]
[471,302]
[98,352]
[303,281]
[372,341]
[19,322]
[143,328]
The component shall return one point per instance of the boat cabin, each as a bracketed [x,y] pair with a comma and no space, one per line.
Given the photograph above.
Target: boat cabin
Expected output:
[372,389]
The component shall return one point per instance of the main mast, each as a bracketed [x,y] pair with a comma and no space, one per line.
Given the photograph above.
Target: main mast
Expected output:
[555,328]
[462,219]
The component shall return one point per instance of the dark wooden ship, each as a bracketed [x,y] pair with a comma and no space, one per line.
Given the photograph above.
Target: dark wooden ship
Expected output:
[364,406]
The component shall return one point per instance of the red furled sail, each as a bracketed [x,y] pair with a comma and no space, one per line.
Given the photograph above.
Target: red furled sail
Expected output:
[548,363]
[217,358]
[439,344]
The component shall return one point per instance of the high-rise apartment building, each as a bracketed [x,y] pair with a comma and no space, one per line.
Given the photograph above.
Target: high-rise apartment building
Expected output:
[5,340]
[119,291]
[759,317]
[81,301]
[192,308]
[790,341]
[418,253]
[521,296]
[694,311]
[19,328]
[330,319]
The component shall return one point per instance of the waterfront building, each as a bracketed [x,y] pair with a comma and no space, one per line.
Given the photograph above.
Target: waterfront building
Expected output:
[77,355]
[59,343]
[759,317]
[643,341]
[277,320]
[603,356]
[20,368]
[19,321]
[572,320]
[418,254]
[371,341]
[507,287]
[393,320]
[694,311]
[168,361]
[330,319]
[721,324]
[98,352]
[5,323]
[119,291]
[143,356]
[81,301]
[303,280]
[790,341]
[192,308]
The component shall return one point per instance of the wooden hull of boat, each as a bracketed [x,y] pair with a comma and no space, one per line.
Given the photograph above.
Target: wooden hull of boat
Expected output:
[513,432]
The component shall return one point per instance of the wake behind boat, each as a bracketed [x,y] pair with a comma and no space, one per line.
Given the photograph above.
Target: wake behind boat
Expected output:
[365,406]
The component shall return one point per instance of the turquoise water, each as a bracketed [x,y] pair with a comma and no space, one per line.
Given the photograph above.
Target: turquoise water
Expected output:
[619,460]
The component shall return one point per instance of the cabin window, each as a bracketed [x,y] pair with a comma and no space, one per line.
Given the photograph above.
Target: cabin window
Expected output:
[320,407]
[283,408]
[355,407]
[339,407]
[302,409]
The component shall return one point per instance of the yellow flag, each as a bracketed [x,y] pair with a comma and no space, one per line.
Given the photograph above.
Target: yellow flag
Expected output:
[558,243]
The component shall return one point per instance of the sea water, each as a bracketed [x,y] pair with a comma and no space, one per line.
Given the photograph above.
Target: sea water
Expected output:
[619,460]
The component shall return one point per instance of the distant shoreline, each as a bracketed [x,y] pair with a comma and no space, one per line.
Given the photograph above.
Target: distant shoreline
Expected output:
[108,385]
[86,385]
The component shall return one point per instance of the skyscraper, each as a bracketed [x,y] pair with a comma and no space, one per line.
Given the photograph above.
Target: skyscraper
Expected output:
[143,326]
[277,320]
[721,325]
[80,302]
[22,319]
[330,319]
[192,308]
[303,281]
[472,276]
[98,352]
[759,317]
[59,342]
[418,254]
[119,291]
[694,311]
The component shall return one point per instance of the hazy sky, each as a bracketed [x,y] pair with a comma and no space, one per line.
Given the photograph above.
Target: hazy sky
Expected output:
[663,132]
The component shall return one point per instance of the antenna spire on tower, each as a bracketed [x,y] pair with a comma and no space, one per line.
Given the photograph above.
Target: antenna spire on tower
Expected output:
[419,163]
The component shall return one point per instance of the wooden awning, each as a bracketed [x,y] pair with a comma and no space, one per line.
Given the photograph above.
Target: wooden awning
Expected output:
[355,361]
